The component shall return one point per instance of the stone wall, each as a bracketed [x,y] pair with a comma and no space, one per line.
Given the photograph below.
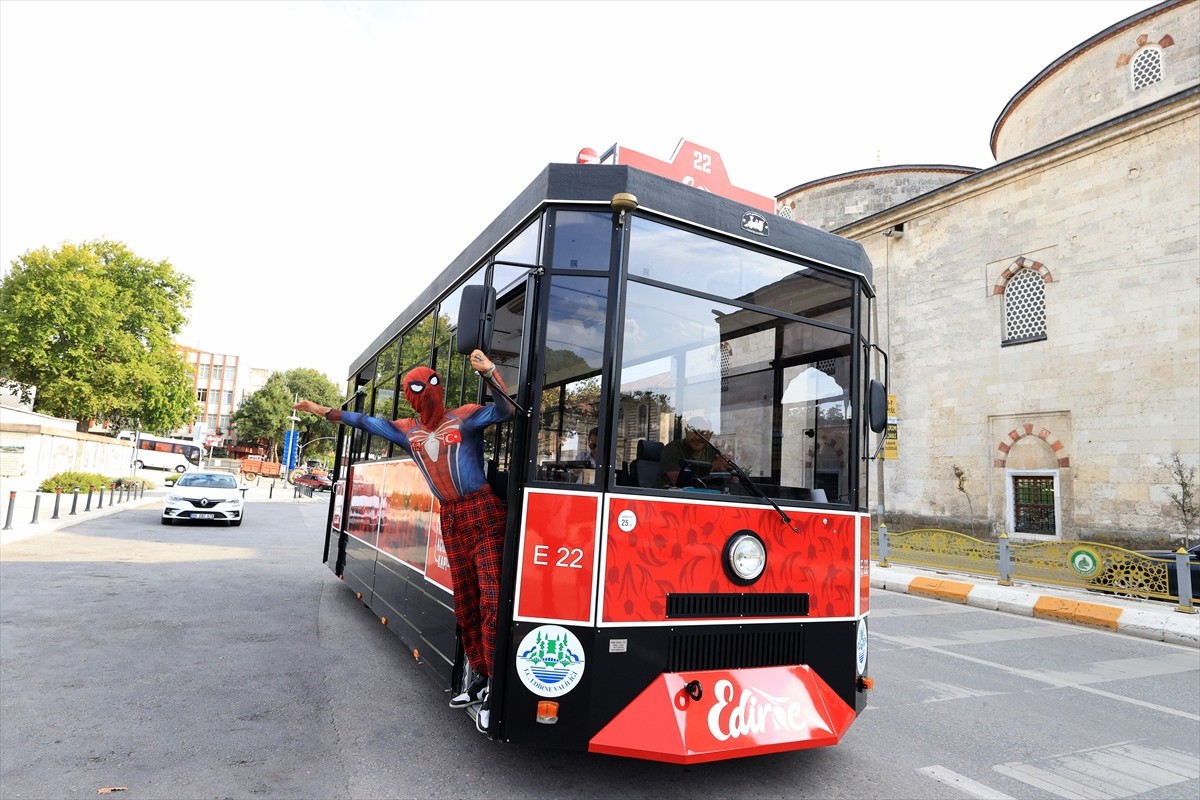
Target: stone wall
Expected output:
[1112,224]
[1092,83]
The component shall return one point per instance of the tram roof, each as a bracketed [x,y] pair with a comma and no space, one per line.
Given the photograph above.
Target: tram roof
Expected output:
[597,183]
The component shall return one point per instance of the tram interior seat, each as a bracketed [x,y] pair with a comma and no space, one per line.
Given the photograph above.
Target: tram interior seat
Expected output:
[644,468]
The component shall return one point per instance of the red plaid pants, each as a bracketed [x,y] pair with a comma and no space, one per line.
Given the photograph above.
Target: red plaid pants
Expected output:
[473,533]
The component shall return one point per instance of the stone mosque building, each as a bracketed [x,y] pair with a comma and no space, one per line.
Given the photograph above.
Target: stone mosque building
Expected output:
[1042,315]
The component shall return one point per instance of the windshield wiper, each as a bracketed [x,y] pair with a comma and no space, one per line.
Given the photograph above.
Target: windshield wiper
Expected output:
[747,480]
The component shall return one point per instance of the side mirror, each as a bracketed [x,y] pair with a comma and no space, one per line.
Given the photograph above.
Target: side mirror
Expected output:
[476,315]
[876,406]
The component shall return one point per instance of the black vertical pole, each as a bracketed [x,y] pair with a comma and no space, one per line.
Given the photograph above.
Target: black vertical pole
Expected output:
[88,507]
[57,500]
[12,502]
[74,500]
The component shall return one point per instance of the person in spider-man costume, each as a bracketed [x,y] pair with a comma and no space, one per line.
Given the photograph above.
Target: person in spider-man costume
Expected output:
[447,446]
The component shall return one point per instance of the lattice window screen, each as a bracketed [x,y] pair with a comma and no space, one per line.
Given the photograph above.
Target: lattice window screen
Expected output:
[1147,68]
[1025,306]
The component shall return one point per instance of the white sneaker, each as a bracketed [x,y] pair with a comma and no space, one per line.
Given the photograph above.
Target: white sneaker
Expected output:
[484,717]
[475,693]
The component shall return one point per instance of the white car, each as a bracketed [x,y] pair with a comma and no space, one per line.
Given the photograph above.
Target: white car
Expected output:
[205,495]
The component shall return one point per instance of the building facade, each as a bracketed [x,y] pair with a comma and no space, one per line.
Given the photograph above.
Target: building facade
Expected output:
[215,382]
[1042,315]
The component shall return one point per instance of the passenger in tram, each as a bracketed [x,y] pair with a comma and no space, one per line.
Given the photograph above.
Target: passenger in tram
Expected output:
[688,460]
[590,457]
[447,446]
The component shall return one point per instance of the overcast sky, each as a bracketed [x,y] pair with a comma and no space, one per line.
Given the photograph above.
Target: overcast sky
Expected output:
[311,164]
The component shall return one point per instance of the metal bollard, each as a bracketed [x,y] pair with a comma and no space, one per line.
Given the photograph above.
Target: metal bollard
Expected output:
[12,502]
[1005,565]
[271,491]
[883,546]
[1184,570]
[116,494]
[100,504]
[74,500]
[37,503]
[57,499]
[88,507]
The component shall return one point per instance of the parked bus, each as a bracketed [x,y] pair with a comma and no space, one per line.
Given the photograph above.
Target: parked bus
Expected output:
[157,452]
[722,616]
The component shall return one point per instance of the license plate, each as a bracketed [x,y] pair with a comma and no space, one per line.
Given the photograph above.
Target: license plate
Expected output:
[204,516]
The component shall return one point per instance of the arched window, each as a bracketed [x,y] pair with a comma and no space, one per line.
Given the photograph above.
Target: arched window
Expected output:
[1146,68]
[1025,307]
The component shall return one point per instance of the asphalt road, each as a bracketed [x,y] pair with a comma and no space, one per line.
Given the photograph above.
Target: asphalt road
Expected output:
[212,662]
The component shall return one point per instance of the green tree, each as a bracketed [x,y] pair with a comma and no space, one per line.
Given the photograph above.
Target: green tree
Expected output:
[90,329]
[265,414]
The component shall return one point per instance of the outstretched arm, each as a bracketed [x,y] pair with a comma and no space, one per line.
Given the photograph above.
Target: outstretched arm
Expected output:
[379,427]
[319,410]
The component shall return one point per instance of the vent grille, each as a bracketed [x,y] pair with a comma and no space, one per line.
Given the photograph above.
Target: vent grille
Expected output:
[735,649]
[693,606]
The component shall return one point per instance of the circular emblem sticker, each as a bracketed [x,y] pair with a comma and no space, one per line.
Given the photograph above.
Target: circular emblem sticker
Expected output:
[627,520]
[860,647]
[550,661]
[1084,561]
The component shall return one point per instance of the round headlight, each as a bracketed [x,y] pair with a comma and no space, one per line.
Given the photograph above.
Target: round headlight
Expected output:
[745,557]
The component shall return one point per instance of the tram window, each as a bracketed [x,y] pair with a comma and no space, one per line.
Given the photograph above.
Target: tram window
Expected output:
[574,356]
[775,390]
[581,240]
[450,364]
[521,250]
[379,397]
[386,364]
[671,255]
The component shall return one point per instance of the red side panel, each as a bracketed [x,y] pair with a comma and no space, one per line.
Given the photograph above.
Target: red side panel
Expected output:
[864,565]
[657,547]
[362,517]
[556,572]
[735,713]
[408,514]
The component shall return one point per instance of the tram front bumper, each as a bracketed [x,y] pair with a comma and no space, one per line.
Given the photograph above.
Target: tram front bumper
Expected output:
[693,717]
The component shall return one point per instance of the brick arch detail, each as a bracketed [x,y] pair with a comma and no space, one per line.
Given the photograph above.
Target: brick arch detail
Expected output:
[1026,429]
[1141,41]
[1021,263]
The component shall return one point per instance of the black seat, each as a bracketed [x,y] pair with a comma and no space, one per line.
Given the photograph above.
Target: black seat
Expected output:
[644,468]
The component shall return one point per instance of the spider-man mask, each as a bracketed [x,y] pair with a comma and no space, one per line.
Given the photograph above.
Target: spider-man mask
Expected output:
[425,393]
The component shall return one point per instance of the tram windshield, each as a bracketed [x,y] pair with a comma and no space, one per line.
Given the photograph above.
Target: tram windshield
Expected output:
[756,350]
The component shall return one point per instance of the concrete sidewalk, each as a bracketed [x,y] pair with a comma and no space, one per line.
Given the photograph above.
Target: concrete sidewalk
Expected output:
[18,510]
[1148,619]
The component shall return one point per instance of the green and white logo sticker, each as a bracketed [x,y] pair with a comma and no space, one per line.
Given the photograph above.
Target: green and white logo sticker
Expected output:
[550,661]
[1084,561]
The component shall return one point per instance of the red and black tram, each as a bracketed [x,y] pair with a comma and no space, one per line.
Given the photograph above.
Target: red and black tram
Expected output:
[715,613]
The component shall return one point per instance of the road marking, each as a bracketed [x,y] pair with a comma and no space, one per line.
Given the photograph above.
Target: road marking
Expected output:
[963,783]
[1040,677]
[949,691]
[1115,771]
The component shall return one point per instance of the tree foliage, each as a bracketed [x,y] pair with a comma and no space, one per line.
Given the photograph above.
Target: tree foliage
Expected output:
[265,414]
[90,328]
[1183,478]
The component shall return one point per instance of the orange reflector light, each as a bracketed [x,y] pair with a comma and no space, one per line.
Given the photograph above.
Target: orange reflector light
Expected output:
[383,620]
[547,712]
[358,595]
[416,654]
[867,683]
